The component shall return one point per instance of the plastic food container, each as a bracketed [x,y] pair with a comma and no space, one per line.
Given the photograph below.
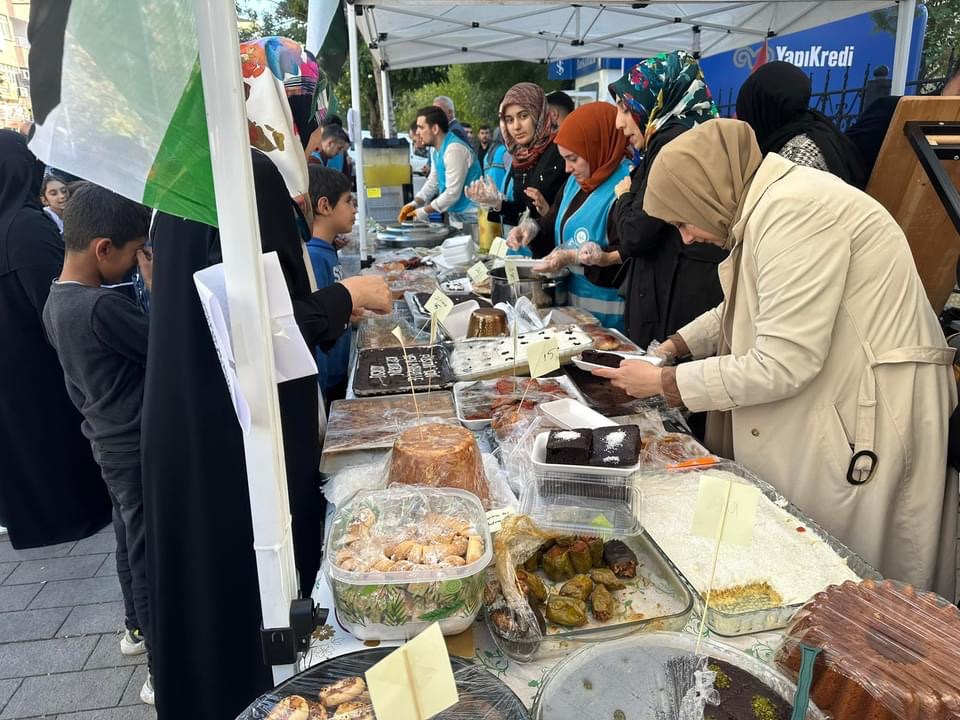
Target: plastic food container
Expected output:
[581,503]
[398,604]
[643,677]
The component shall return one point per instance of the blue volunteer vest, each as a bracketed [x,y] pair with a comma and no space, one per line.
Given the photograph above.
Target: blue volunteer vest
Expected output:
[495,168]
[589,223]
[463,204]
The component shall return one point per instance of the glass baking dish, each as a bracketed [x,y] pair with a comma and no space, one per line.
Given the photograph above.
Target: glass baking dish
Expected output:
[657,600]
[732,624]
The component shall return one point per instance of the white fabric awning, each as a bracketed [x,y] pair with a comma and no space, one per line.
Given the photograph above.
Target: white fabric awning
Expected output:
[413,33]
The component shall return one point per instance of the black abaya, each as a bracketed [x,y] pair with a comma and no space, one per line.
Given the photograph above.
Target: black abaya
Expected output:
[665,283]
[204,596]
[51,490]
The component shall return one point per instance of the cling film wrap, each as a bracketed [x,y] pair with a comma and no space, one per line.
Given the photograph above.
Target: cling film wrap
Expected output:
[403,557]
[485,398]
[508,610]
[328,689]
[676,451]
[888,652]
[371,423]
[377,332]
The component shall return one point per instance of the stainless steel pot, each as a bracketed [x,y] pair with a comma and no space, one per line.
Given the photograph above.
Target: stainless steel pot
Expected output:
[414,234]
[543,291]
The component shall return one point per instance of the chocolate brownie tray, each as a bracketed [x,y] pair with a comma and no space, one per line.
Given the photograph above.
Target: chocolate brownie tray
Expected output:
[384,371]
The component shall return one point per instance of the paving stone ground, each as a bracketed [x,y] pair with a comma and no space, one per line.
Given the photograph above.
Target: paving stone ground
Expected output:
[61,617]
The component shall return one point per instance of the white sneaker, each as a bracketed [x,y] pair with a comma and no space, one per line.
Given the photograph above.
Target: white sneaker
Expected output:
[146,692]
[132,643]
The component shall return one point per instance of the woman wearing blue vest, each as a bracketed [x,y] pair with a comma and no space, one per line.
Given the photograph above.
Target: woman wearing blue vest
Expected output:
[594,153]
[496,163]
[455,166]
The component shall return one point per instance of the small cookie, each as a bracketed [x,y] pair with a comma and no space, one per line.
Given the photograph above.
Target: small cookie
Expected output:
[292,707]
[342,691]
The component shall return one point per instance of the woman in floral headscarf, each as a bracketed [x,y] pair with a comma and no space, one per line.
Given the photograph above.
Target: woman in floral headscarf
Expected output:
[537,173]
[665,284]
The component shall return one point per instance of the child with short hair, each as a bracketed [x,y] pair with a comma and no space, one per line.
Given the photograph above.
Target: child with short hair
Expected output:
[334,213]
[100,336]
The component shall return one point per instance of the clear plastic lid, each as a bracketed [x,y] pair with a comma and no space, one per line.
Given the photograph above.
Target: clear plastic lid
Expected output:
[408,534]
[582,503]
[649,675]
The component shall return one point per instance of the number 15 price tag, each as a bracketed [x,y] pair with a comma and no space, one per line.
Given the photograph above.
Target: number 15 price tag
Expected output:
[439,305]
[543,357]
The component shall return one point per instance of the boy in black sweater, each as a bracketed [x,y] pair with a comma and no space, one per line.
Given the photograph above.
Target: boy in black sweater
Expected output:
[100,336]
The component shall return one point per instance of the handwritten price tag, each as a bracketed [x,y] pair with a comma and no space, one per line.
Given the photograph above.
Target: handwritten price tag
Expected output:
[513,277]
[543,357]
[728,505]
[439,305]
[398,334]
[498,248]
[478,273]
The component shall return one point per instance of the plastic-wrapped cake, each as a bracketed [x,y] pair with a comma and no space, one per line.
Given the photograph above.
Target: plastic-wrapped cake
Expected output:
[439,456]
[889,652]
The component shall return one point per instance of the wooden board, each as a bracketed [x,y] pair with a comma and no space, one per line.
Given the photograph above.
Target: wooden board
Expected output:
[901,185]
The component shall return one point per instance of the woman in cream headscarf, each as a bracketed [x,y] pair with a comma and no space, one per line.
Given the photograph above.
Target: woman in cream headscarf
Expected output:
[825,354]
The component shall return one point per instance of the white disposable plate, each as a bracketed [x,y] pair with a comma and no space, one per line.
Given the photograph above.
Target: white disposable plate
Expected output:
[539,458]
[457,321]
[588,366]
[571,414]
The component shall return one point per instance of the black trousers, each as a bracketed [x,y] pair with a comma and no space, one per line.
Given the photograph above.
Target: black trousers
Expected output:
[120,467]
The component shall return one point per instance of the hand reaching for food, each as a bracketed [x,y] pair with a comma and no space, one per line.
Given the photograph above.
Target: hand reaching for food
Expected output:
[406,212]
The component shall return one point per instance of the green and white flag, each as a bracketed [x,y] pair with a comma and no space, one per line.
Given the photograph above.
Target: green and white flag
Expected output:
[118,100]
[330,45]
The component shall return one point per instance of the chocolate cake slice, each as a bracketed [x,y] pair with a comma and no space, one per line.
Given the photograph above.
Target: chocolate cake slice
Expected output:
[617,446]
[601,358]
[569,447]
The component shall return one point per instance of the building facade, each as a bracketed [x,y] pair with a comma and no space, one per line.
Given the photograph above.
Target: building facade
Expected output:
[15,109]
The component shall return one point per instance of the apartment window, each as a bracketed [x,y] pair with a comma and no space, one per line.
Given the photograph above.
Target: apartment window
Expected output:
[5,28]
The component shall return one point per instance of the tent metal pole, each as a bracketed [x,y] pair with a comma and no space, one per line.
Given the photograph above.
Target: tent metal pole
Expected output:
[386,110]
[349,9]
[901,53]
[223,96]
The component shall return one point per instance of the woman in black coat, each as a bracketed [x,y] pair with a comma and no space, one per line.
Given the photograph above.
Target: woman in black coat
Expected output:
[51,490]
[665,284]
[537,173]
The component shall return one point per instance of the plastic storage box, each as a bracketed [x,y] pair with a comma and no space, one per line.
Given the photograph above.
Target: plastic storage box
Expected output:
[397,604]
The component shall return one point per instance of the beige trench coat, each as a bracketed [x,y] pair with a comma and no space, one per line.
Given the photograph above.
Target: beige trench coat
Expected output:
[834,349]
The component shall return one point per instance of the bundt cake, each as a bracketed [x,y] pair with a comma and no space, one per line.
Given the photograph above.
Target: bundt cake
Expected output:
[889,652]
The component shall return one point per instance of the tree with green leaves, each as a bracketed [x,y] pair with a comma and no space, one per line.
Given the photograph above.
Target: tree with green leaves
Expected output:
[940,55]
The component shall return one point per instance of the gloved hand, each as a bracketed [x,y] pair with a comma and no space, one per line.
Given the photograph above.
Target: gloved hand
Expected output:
[590,254]
[407,212]
[555,261]
[665,350]
[422,215]
[523,234]
[484,193]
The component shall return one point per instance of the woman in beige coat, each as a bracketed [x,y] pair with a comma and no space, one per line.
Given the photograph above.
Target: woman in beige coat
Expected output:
[825,352]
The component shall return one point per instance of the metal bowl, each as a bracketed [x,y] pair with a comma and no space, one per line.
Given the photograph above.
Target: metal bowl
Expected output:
[542,290]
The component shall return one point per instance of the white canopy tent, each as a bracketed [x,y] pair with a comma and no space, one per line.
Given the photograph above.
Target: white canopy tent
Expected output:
[417,33]
[412,33]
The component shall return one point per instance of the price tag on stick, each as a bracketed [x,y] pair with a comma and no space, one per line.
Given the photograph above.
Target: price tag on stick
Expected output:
[439,305]
[725,512]
[477,273]
[498,248]
[510,268]
[398,334]
[543,357]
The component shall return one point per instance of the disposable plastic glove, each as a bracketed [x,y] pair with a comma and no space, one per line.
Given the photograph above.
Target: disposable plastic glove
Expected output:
[523,234]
